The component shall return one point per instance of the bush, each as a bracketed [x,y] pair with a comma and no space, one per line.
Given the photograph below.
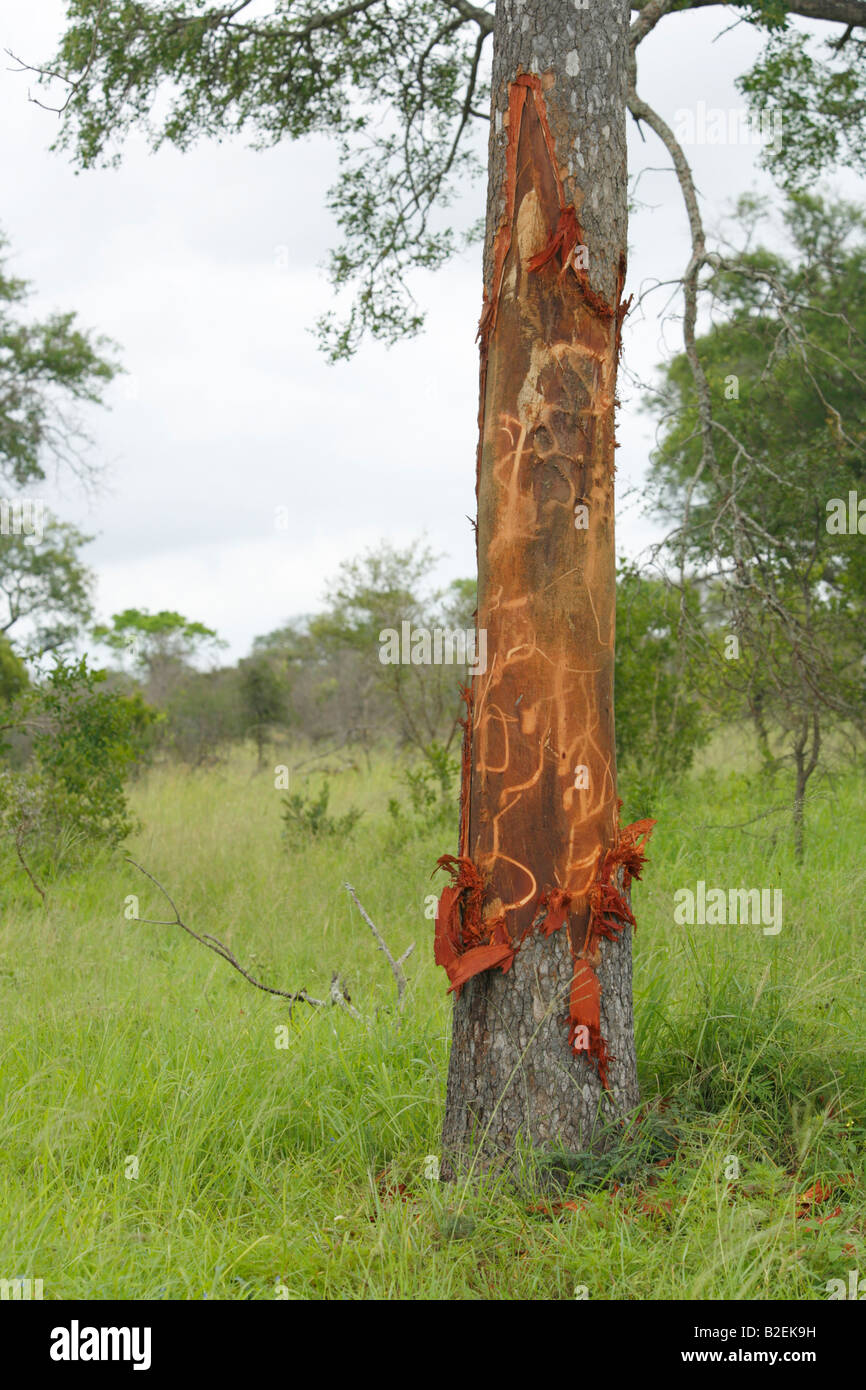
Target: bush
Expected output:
[432,794]
[305,816]
[660,722]
[84,743]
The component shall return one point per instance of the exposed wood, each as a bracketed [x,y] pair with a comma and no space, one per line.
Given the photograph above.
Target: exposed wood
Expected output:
[539,793]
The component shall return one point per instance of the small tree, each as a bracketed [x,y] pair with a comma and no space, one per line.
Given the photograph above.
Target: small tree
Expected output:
[70,798]
[263,696]
[158,645]
[759,528]
[44,585]
[47,369]
[660,717]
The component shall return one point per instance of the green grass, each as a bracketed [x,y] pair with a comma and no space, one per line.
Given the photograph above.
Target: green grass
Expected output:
[300,1171]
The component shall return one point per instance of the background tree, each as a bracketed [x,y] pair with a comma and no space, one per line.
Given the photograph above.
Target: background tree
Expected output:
[48,369]
[341,690]
[13,672]
[377,593]
[661,714]
[264,698]
[62,783]
[45,588]
[69,798]
[785,363]
[158,645]
[203,715]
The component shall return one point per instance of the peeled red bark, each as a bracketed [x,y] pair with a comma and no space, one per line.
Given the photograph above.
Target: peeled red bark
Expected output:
[535,929]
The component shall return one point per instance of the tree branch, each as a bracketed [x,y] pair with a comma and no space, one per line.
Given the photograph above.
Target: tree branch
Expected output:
[649,15]
[337,994]
[836,11]
[20,831]
[396,965]
[73,83]
[482,18]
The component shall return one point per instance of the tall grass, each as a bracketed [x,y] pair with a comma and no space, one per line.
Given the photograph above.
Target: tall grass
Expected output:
[301,1171]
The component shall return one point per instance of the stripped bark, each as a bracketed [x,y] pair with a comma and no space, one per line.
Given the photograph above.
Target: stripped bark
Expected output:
[535,928]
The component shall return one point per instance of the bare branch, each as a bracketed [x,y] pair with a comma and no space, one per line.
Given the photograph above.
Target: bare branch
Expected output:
[648,17]
[337,994]
[851,12]
[20,831]
[73,83]
[482,18]
[396,965]
[340,995]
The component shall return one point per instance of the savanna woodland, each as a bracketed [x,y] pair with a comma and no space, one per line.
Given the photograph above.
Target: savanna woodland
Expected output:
[473,935]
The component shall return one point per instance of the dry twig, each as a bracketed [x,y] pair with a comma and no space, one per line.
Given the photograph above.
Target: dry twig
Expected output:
[396,965]
[338,992]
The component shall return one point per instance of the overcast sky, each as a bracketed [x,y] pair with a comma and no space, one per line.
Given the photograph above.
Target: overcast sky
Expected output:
[205,268]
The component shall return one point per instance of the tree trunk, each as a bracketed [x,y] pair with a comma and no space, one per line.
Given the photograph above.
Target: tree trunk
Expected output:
[804,767]
[535,929]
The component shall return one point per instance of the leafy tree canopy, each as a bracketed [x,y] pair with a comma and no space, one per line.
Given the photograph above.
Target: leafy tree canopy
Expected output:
[47,369]
[44,583]
[13,673]
[155,639]
[400,84]
[786,364]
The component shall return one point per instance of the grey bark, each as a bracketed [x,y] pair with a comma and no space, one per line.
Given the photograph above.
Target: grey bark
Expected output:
[584,44]
[513,1080]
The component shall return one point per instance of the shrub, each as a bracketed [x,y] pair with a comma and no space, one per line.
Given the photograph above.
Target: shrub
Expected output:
[432,795]
[84,742]
[305,816]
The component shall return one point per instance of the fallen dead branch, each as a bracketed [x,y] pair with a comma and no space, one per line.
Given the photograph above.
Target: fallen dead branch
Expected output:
[396,965]
[338,994]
